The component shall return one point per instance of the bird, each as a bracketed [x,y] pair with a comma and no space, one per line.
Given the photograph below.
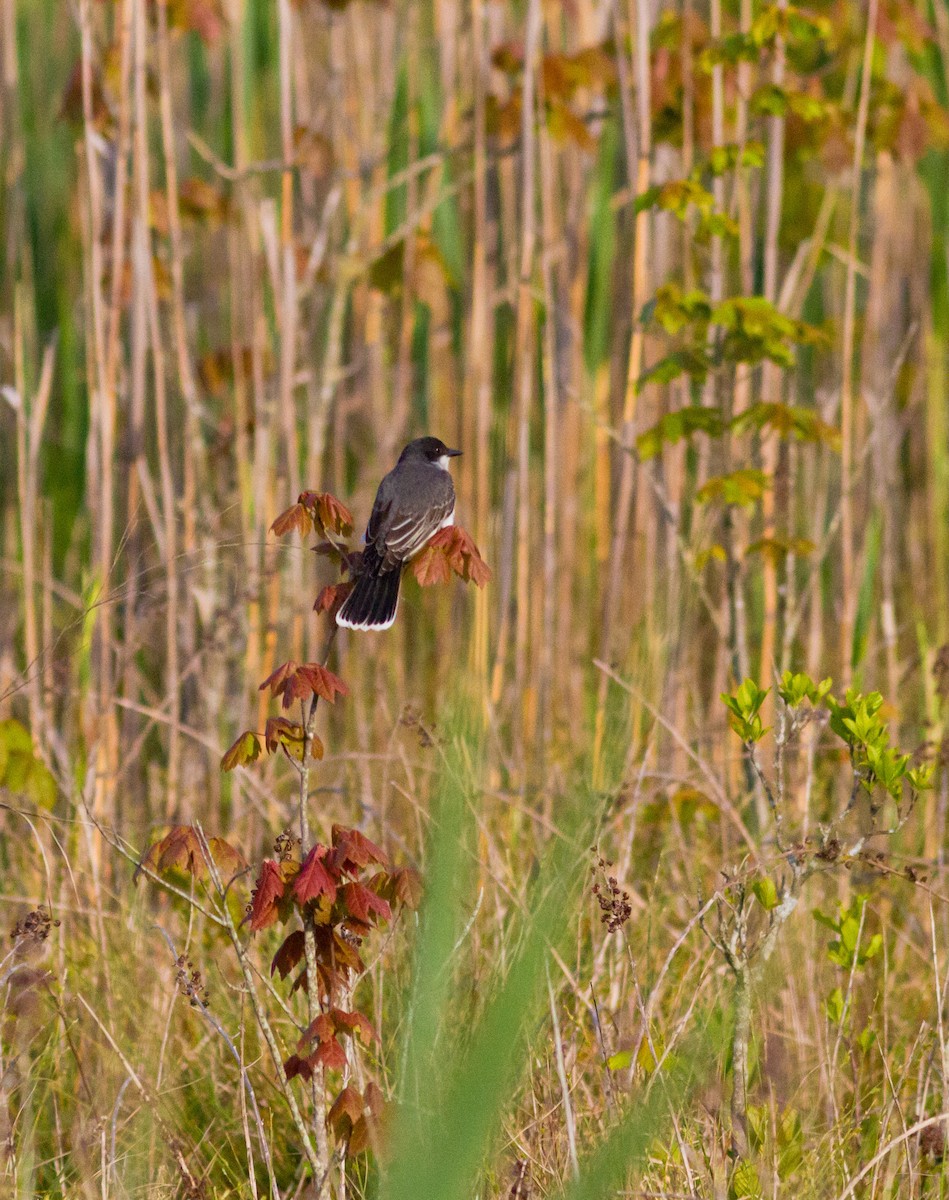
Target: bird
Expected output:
[414,501]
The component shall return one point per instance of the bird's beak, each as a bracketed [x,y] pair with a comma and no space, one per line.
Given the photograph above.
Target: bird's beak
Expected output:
[452,453]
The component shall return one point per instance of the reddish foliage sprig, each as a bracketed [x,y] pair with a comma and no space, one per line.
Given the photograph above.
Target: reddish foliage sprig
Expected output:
[333,886]
[341,891]
[452,549]
[354,1117]
[299,681]
[318,511]
[179,849]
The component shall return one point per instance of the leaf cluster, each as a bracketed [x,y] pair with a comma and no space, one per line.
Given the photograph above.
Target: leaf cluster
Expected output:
[744,705]
[345,889]
[179,850]
[845,949]
[450,550]
[800,32]
[315,511]
[857,720]
[744,486]
[748,329]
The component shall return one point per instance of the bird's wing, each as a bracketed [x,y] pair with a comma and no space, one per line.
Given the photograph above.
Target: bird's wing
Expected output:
[399,532]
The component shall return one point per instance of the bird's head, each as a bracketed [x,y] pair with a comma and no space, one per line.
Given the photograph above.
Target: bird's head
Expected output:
[429,449]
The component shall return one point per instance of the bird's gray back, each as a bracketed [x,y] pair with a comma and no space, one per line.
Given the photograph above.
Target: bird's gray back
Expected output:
[412,503]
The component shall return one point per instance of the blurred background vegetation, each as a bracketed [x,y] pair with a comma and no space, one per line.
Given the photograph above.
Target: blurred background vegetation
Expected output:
[673,274]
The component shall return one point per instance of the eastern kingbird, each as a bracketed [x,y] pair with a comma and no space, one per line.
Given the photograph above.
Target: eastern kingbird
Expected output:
[414,501]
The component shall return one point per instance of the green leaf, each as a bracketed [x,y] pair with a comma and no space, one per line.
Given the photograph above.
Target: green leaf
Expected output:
[647,199]
[646,1060]
[679,195]
[787,421]
[795,689]
[776,549]
[715,224]
[834,1006]
[744,707]
[693,362]
[387,271]
[823,919]
[921,777]
[743,487]
[14,737]
[675,426]
[849,933]
[733,154]
[790,1143]
[676,309]
[766,893]
[769,101]
[745,1182]
[620,1061]
[874,947]
[729,50]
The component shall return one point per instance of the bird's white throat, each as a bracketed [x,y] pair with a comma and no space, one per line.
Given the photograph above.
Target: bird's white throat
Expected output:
[442,462]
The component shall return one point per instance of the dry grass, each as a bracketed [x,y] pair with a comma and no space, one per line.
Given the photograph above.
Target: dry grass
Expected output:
[254,247]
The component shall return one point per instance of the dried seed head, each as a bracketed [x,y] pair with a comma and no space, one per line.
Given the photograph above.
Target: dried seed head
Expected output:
[189,983]
[34,928]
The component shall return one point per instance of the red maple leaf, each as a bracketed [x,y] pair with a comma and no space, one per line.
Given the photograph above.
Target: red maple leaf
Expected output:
[267,893]
[346,956]
[331,597]
[180,849]
[296,681]
[327,513]
[319,1030]
[431,566]
[329,1054]
[360,902]
[332,981]
[401,886]
[353,850]
[354,1023]
[246,749]
[289,954]
[362,1137]
[314,879]
[334,516]
[375,1101]
[295,517]
[296,687]
[295,1065]
[277,680]
[346,1110]
[322,681]
[406,886]
[462,554]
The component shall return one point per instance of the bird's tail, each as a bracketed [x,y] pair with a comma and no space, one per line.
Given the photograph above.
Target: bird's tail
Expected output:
[373,602]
